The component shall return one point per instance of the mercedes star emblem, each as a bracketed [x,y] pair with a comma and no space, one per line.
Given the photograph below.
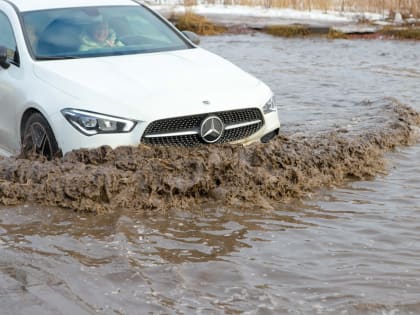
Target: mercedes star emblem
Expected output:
[212,129]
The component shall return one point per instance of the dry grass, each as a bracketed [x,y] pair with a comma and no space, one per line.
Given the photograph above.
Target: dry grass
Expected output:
[302,31]
[406,7]
[334,34]
[200,25]
[196,23]
[402,33]
[287,30]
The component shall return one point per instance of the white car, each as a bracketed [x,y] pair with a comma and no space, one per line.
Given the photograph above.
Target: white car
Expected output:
[85,73]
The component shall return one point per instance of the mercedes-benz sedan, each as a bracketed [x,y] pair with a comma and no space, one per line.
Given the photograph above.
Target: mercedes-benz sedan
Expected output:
[85,73]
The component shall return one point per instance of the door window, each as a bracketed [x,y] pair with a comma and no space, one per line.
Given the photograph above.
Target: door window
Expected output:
[7,39]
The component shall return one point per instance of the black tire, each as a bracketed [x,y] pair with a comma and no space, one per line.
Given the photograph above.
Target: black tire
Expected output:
[38,138]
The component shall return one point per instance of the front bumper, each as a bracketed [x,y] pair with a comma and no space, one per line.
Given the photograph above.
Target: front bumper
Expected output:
[68,138]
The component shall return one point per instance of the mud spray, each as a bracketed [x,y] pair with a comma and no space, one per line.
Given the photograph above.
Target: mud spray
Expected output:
[161,178]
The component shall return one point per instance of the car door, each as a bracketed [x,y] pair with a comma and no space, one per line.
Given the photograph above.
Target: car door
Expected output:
[10,79]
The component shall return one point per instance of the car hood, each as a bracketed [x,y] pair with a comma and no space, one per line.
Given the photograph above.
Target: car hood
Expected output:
[153,86]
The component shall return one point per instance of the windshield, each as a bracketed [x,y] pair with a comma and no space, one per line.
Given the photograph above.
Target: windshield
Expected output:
[98,31]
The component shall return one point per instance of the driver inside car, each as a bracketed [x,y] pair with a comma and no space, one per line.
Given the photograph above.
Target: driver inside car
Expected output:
[99,35]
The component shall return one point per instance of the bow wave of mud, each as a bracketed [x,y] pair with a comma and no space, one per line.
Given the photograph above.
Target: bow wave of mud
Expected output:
[147,178]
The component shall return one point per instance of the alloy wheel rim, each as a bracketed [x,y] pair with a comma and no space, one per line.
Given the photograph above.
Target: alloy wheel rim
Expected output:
[37,140]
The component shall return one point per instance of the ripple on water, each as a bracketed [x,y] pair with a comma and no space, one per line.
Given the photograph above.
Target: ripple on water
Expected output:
[346,249]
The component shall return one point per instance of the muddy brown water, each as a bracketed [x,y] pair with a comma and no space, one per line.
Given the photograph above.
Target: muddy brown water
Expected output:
[324,220]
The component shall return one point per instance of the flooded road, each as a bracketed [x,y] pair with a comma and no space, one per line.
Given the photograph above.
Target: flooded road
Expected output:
[319,82]
[351,248]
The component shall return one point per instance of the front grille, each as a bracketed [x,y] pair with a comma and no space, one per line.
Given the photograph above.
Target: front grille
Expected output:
[184,141]
[160,132]
[174,124]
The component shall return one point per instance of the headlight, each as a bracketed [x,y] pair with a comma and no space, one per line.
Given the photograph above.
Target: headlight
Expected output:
[90,123]
[270,106]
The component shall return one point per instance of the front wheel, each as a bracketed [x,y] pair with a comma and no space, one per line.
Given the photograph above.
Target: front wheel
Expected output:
[38,138]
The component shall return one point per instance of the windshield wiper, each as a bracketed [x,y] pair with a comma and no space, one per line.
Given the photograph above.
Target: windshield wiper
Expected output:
[55,57]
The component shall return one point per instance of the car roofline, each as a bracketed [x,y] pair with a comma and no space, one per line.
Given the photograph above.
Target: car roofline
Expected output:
[24,7]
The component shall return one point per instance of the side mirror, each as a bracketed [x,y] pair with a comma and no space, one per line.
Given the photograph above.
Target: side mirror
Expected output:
[192,37]
[4,63]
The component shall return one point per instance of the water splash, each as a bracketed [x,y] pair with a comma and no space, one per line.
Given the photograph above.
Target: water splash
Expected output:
[146,178]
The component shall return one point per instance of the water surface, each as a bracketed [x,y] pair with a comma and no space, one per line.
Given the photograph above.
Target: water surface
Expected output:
[348,249]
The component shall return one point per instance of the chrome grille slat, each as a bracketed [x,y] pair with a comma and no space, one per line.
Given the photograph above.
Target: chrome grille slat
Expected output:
[244,124]
[184,131]
[173,134]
